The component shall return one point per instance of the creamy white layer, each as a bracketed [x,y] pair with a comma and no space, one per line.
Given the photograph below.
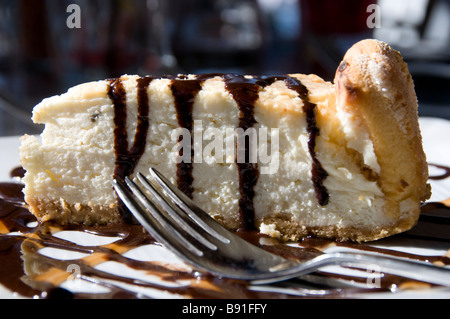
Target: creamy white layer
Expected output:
[75,160]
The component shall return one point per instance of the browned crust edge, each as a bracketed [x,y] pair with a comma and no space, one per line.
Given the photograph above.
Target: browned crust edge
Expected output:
[294,231]
[374,84]
[63,213]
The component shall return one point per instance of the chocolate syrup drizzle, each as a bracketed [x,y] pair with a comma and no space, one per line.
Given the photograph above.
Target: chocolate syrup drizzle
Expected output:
[444,175]
[245,92]
[27,272]
[184,93]
[127,158]
[318,173]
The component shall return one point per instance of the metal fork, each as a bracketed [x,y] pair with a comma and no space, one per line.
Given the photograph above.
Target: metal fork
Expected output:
[175,221]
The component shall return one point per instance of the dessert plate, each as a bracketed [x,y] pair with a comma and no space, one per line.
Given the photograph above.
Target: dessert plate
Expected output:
[148,270]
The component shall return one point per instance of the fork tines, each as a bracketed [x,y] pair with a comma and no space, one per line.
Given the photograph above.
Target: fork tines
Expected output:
[169,215]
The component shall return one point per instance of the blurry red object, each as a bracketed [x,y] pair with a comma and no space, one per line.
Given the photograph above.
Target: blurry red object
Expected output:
[332,16]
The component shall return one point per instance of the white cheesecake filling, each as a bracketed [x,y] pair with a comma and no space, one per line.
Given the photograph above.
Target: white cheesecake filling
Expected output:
[75,159]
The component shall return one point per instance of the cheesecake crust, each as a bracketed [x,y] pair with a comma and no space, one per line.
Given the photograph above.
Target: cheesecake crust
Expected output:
[63,213]
[374,85]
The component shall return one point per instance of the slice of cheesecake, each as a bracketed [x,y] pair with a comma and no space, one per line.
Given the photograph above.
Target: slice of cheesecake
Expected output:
[290,156]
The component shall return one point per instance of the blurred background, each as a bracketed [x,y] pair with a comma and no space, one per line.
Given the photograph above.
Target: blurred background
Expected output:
[47,46]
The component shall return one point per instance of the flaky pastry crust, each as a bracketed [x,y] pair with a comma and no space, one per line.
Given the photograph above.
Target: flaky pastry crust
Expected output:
[373,84]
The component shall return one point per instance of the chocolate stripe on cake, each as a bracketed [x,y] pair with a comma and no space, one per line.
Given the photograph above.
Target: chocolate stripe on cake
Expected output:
[127,158]
[117,94]
[318,173]
[245,92]
[143,122]
[184,92]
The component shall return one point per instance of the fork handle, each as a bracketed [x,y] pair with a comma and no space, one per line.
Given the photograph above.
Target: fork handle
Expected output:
[412,269]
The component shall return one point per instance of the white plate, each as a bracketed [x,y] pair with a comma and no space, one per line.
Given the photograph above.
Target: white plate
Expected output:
[435,134]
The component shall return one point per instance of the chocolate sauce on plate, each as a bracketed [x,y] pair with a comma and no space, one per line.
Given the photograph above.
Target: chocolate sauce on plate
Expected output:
[25,271]
[444,175]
